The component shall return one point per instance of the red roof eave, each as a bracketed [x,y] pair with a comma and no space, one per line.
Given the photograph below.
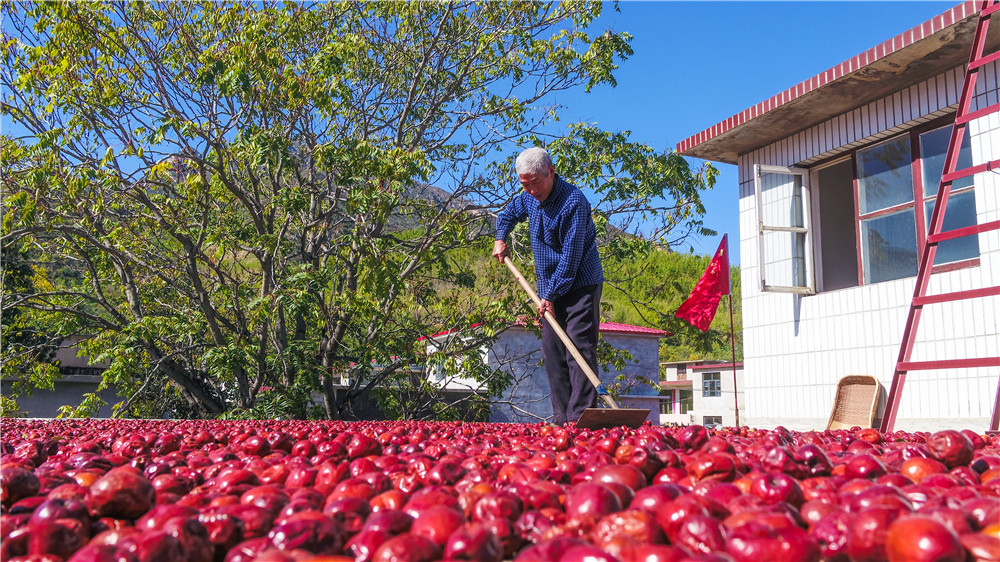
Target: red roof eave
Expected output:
[676,384]
[716,366]
[605,327]
[936,24]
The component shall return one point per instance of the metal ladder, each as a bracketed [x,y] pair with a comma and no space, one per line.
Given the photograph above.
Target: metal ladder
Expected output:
[935,236]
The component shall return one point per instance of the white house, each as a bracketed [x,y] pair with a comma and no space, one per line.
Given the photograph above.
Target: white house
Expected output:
[702,392]
[828,296]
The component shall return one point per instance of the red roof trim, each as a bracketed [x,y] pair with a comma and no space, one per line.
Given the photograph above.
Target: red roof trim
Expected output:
[619,328]
[716,366]
[676,384]
[605,327]
[853,64]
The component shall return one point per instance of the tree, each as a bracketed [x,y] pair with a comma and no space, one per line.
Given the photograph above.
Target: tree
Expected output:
[26,350]
[242,187]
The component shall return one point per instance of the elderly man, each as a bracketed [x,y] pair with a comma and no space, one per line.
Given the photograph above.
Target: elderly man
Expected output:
[568,272]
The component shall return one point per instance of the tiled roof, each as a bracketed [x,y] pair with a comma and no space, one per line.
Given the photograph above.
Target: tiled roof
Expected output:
[676,384]
[717,366]
[618,328]
[605,327]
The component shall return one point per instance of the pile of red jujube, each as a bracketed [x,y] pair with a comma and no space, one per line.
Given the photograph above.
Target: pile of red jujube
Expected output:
[276,491]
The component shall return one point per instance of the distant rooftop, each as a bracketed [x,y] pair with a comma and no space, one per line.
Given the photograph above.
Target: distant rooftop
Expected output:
[717,366]
[618,328]
[605,327]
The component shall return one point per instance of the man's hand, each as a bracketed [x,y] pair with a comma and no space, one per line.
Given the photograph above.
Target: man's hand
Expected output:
[500,250]
[544,307]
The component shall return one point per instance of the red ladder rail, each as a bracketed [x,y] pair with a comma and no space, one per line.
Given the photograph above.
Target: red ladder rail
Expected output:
[934,235]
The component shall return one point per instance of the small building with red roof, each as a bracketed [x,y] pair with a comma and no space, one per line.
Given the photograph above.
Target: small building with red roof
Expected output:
[517,352]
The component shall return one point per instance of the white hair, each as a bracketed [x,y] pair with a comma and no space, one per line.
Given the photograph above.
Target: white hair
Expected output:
[534,160]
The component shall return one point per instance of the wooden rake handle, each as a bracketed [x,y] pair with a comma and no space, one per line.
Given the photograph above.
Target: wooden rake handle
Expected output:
[561,333]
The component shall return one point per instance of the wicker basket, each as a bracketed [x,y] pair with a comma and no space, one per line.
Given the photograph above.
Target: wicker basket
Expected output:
[856,401]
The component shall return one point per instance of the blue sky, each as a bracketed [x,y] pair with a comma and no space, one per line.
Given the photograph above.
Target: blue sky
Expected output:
[698,63]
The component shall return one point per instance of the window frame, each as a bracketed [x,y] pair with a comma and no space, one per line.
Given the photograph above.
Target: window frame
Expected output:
[667,404]
[715,389]
[923,218]
[667,398]
[809,288]
[918,202]
[859,218]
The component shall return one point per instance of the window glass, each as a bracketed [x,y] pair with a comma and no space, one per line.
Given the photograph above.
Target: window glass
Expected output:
[933,148]
[884,178]
[782,195]
[961,212]
[667,402]
[711,384]
[889,246]
[711,421]
[790,270]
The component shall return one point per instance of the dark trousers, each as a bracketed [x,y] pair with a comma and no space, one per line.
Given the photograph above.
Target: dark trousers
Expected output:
[578,312]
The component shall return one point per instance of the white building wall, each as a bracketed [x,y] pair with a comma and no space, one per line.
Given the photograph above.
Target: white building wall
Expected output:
[797,348]
[723,405]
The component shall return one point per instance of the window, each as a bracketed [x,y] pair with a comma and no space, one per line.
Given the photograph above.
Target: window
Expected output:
[677,401]
[666,401]
[783,230]
[711,384]
[873,209]
[711,422]
[686,401]
[886,211]
[667,404]
[961,209]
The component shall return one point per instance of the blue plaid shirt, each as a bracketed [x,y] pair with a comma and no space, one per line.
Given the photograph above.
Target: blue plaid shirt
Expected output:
[563,238]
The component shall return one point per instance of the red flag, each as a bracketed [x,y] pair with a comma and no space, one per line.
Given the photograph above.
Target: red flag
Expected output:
[699,308]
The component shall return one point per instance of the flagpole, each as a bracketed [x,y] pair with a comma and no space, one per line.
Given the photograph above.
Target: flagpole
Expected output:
[732,336]
[699,309]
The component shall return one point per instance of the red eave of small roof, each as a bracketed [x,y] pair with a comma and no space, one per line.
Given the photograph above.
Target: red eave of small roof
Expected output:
[675,384]
[619,328]
[851,65]
[716,366]
[606,327]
